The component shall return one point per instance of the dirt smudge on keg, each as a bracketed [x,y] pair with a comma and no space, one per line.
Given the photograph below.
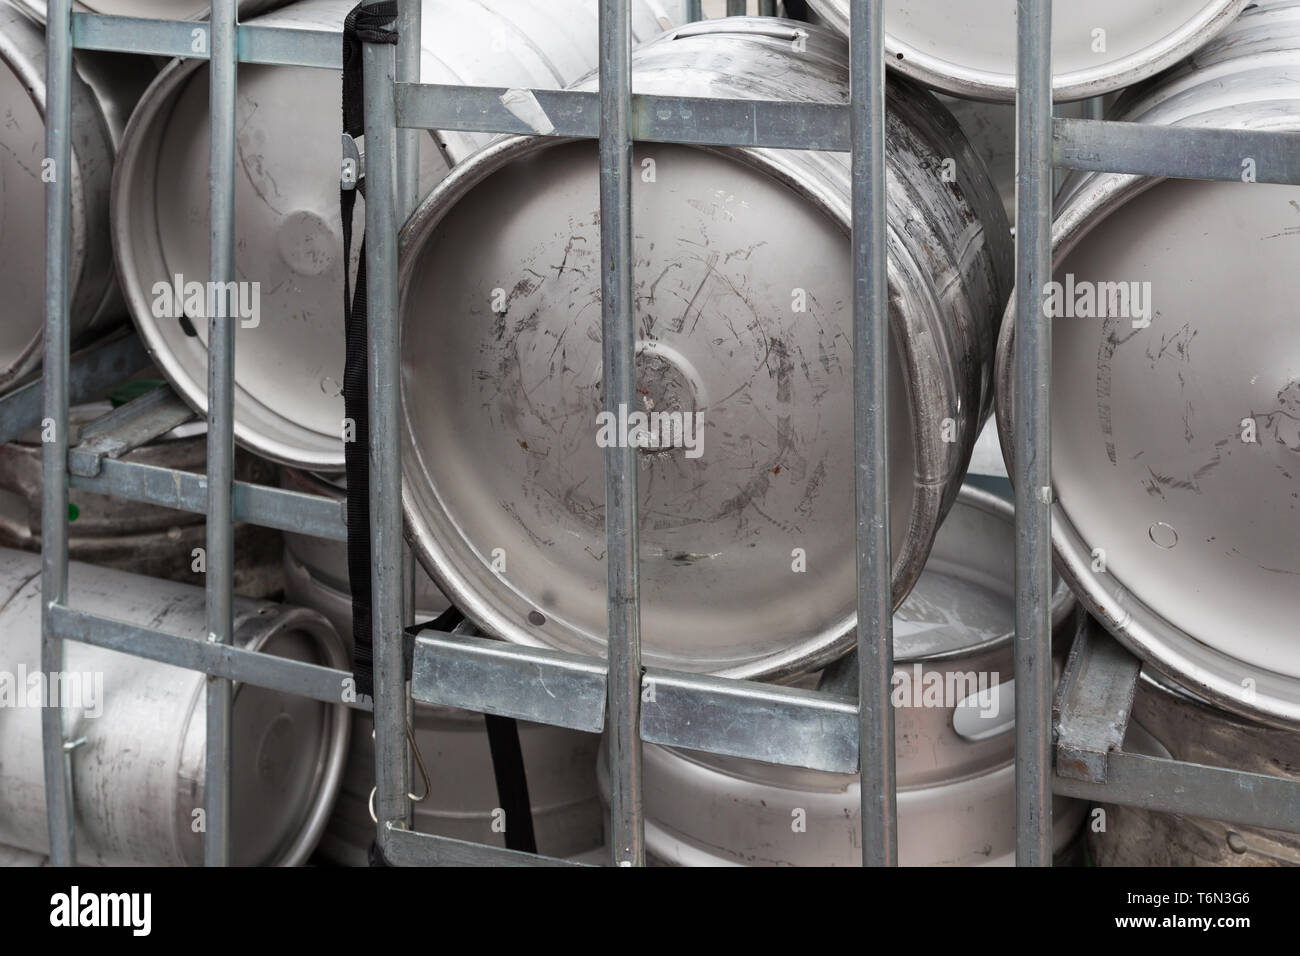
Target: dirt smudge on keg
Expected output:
[1111,340]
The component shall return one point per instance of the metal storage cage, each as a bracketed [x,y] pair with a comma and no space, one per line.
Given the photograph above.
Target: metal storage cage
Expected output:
[1075,751]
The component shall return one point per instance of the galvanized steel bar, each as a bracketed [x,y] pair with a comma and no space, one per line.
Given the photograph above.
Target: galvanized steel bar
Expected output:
[277,46]
[184,38]
[1093,703]
[409,848]
[736,8]
[870,414]
[1033,448]
[220,559]
[225,661]
[767,8]
[1176,152]
[657,119]
[186,491]
[693,11]
[408,140]
[60,811]
[1194,790]
[192,40]
[627,823]
[391,766]
[91,372]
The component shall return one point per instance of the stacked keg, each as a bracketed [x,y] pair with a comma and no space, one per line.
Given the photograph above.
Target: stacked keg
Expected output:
[1175,431]
[743,359]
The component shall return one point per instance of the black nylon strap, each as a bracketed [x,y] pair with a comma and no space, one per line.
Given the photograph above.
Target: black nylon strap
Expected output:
[370,24]
[364,24]
[512,782]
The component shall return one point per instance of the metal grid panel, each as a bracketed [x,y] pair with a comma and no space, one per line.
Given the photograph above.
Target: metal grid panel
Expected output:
[693,711]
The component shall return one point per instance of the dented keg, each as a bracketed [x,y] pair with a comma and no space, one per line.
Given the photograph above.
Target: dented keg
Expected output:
[1176,390]
[104,88]
[289,236]
[743,292]
[1167,721]
[968,47]
[130,535]
[138,770]
[954,709]
[453,744]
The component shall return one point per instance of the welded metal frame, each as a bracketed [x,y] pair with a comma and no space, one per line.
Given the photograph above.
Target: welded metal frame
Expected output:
[742,718]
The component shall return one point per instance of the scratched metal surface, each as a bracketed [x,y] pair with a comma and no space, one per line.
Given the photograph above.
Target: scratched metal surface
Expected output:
[289,369]
[1197,525]
[103,93]
[138,776]
[504,478]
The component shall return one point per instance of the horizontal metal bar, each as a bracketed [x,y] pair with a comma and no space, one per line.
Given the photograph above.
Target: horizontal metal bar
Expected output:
[1194,790]
[409,848]
[185,491]
[221,660]
[92,372]
[192,39]
[127,428]
[93,31]
[655,119]
[1177,152]
[527,683]
[278,46]
[782,725]
[1094,702]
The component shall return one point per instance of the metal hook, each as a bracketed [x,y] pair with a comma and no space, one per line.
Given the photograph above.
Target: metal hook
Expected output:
[419,762]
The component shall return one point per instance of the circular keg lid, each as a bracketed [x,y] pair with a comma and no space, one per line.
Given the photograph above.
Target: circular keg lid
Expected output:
[288,752]
[969,48]
[1176,423]
[745,488]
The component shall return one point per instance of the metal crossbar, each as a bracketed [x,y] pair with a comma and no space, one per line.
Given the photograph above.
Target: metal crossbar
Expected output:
[741,718]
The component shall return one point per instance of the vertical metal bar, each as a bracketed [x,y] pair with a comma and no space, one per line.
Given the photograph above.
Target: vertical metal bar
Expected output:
[767,8]
[694,12]
[870,414]
[54,462]
[408,140]
[391,766]
[220,558]
[627,834]
[736,8]
[1033,439]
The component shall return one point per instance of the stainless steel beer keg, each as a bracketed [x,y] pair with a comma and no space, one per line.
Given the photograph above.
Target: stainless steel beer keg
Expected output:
[104,88]
[1170,722]
[453,744]
[289,356]
[137,774]
[968,47]
[129,535]
[1176,389]
[743,301]
[954,701]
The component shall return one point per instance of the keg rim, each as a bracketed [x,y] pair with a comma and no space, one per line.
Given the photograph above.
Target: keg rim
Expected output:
[436,556]
[1198,666]
[999,87]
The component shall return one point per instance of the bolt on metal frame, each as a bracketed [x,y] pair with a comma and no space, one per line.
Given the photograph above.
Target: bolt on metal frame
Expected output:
[740,718]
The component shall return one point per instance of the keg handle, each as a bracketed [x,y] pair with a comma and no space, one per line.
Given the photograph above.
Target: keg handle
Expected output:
[419,762]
